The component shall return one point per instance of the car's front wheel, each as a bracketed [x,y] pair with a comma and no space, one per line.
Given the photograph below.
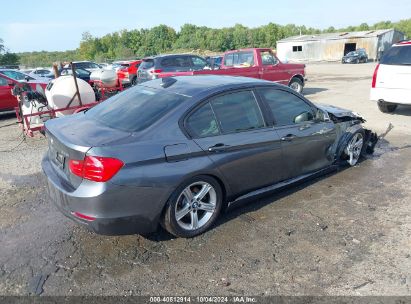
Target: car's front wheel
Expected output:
[386,107]
[193,207]
[354,149]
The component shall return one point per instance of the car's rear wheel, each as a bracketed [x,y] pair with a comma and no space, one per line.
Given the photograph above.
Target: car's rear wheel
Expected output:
[354,148]
[386,107]
[193,207]
[296,84]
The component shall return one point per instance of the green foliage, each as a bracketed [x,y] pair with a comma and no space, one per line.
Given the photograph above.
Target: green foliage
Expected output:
[6,57]
[128,44]
[9,58]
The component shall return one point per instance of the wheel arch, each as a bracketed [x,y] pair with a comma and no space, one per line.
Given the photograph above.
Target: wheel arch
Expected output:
[298,76]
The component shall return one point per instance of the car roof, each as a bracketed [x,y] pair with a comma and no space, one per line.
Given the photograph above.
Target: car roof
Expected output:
[196,85]
[169,55]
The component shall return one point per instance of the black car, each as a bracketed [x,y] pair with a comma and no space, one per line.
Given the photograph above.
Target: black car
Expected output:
[80,73]
[357,56]
[152,67]
[177,151]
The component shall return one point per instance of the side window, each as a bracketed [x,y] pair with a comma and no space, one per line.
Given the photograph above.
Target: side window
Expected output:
[268,58]
[229,60]
[202,123]
[237,112]
[286,107]
[198,62]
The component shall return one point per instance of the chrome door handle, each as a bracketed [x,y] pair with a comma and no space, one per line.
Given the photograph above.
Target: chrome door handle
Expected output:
[218,148]
[288,137]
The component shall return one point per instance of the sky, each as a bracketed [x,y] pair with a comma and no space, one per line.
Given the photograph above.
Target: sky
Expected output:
[57,25]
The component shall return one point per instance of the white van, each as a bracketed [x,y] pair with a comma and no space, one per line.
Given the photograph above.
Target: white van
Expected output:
[391,82]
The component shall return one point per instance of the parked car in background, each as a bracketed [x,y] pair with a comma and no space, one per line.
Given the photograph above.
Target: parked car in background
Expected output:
[214,62]
[23,77]
[103,65]
[259,63]
[7,100]
[358,56]
[80,73]
[186,147]
[127,74]
[391,82]
[166,65]
[48,73]
[86,65]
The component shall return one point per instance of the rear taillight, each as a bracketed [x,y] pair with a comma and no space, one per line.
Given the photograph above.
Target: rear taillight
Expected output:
[156,71]
[95,168]
[374,77]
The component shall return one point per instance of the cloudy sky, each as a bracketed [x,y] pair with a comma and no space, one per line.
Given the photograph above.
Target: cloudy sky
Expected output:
[57,25]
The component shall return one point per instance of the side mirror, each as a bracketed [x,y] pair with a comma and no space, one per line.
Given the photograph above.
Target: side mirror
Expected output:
[27,78]
[304,116]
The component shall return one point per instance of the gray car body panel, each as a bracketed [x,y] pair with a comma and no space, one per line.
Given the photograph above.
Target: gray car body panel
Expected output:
[158,159]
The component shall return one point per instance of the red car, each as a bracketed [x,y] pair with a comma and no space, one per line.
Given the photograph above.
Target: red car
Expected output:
[128,73]
[259,63]
[7,100]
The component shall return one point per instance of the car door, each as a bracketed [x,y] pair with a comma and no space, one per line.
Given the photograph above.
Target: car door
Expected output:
[231,130]
[271,68]
[7,100]
[306,140]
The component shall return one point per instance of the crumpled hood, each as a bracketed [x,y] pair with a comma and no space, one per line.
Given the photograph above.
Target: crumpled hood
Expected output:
[338,112]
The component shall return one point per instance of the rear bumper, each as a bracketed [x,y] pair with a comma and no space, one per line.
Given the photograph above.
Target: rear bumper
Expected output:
[117,210]
[397,96]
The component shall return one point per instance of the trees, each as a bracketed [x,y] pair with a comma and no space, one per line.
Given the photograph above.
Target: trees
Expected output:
[127,44]
[7,58]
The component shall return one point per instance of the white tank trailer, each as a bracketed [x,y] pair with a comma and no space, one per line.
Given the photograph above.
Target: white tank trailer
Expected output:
[108,78]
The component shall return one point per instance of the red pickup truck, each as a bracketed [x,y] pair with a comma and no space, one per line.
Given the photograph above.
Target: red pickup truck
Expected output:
[259,63]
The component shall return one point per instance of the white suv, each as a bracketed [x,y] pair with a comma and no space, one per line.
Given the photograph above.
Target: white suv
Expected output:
[391,82]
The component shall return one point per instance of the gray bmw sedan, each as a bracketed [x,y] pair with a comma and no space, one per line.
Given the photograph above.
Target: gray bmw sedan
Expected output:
[177,151]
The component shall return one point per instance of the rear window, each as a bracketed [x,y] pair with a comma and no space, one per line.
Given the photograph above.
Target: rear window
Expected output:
[135,109]
[147,64]
[397,55]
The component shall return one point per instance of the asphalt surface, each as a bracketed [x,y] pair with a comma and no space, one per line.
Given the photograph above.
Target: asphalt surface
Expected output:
[347,233]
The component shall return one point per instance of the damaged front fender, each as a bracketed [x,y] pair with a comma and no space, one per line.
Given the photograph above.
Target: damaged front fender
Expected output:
[347,124]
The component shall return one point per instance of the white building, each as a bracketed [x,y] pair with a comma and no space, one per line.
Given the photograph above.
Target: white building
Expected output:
[333,46]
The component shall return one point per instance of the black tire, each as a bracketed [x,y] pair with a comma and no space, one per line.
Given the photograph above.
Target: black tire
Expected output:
[344,157]
[386,107]
[296,84]
[169,221]
[134,81]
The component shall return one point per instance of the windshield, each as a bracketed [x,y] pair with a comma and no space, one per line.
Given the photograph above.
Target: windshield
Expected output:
[135,109]
[397,55]
[16,75]
[352,54]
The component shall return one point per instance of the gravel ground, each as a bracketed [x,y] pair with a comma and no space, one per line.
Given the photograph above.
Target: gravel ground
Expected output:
[347,233]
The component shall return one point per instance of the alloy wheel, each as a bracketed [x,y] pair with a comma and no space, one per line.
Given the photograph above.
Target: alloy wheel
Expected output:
[354,148]
[196,205]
